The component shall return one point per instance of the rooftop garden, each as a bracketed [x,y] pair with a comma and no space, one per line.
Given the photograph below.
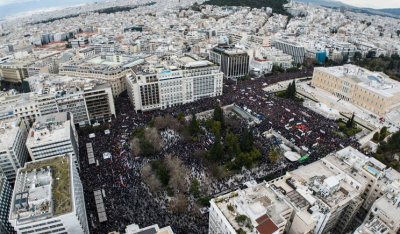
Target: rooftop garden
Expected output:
[61,193]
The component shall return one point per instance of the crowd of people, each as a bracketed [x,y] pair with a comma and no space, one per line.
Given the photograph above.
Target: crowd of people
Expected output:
[127,198]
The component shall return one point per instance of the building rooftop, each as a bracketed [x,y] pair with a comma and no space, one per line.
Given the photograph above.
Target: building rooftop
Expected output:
[49,128]
[328,185]
[42,190]
[153,229]
[108,64]
[377,82]
[260,204]
[373,226]
[8,132]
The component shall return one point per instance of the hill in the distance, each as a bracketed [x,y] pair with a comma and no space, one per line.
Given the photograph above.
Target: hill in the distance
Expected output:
[335,3]
[276,5]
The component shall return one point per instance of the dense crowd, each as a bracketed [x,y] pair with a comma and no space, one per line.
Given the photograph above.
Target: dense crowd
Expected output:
[127,198]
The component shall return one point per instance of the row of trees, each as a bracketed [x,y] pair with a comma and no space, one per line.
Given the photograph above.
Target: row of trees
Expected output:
[381,135]
[276,5]
[388,65]
[389,151]
[235,153]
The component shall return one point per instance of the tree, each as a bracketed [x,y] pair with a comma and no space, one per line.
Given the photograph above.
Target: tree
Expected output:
[181,116]
[159,122]
[247,141]
[231,144]
[273,156]
[161,171]
[350,122]
[376,136]
[216,127]
[357,56]
[383,130]
[135,147]
[152,137]
[104,126]
[177,173]
[371,54]
[219,114]
[150,178]
[345,58]
[216,150]
[179,204]
[193,125]
[291,90]
[195,188]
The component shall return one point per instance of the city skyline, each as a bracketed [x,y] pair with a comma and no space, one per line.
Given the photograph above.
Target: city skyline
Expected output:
[175,116]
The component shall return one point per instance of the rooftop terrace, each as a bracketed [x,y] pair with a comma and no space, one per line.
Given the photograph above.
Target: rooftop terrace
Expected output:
[49,128]
[255,202]
[42,190]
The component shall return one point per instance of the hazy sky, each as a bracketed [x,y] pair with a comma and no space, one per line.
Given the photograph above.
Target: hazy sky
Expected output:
[377,4]
[359,3]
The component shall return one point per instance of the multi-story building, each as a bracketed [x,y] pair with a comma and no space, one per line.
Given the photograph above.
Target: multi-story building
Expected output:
[153,229]
[53,94]
[292,48]
[5,201]
[48,198]
[52,135]
[324,200]
[99,102]
[13,152]
[234,62]
[108,68]
[166,86]
[277,57]
[322,197]
[258,209]
[373,91]
[383,217]
[14,71]
[104,47]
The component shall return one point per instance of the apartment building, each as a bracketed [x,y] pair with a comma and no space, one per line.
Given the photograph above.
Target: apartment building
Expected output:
[383,217]
[14,71]
[169,85]
[261,209]
[153,229]
[13,152]
[5,201]
[323,197]
[99,102]
[324,201]
[108,68]
[276,57]
[52,135]
[291,48]
[234,62]
[88,100]
[373,91]
[48,198]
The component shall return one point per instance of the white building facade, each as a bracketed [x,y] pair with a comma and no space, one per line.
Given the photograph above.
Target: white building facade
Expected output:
[165,88]
[13,152]
[53,135]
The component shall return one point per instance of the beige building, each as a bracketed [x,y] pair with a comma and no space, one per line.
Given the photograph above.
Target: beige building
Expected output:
[324,199]
[108,68]
[383,217]
[373,91]
[13,71]
[262,208]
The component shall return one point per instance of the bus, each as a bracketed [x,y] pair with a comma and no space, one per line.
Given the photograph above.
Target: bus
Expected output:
[304,158]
